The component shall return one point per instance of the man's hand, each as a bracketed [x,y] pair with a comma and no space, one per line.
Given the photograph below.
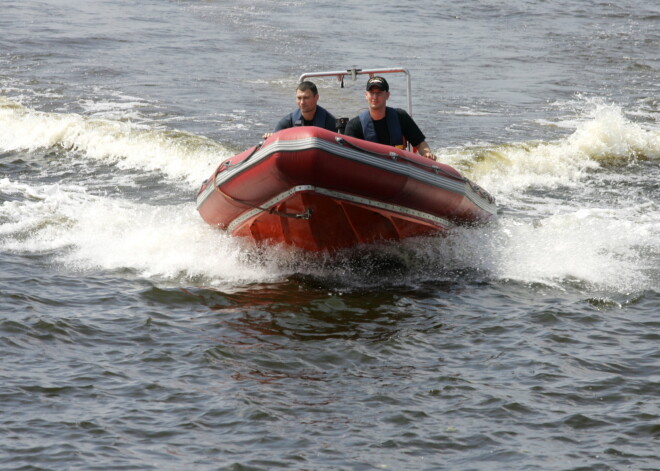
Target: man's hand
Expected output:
[425,151]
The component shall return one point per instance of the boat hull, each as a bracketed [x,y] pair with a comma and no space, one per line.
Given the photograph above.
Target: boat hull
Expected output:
[321,191]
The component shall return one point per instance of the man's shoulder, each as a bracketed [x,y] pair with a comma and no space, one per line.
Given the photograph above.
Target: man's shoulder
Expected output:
[401,112]
[357,120]
[285,123]
[405,118]
[324,109]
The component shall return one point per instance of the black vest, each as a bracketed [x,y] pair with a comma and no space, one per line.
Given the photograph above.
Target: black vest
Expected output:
[393,127]
[320,117]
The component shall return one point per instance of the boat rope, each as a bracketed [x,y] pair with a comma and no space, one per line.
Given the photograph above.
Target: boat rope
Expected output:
[307,214]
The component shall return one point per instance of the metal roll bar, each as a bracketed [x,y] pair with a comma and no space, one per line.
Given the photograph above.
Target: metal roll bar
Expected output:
[353,73]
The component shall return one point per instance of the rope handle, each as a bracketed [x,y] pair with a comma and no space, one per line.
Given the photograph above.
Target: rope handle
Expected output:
[307,214]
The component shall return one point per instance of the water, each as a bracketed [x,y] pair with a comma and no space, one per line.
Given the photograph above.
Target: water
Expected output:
[133,336]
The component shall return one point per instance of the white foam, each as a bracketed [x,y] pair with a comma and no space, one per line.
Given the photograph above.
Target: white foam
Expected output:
[601,247]
[610,136]
[90,233]
[586,245]
[603,135]
[596,249]
[179,155]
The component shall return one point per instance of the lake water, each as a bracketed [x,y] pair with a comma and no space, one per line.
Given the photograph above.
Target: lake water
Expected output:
[135,337]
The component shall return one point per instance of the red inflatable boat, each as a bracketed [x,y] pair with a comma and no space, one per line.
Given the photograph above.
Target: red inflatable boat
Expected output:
[321,191]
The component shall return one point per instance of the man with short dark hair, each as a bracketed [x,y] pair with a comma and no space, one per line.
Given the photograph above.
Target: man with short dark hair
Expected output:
[309,113]
[385,125]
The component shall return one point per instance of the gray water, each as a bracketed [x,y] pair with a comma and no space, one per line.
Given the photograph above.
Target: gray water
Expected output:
[135,337]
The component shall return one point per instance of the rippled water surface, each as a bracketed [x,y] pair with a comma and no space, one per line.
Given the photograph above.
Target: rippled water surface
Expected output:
[133,336]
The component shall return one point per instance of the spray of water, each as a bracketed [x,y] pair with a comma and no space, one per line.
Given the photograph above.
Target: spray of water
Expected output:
[549,230]
[179,156]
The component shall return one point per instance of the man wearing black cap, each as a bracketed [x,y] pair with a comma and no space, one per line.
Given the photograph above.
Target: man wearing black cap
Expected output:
[309,113]
[380,123]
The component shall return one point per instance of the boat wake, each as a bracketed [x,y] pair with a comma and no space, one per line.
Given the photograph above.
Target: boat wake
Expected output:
[601,138]
[580,208]
[179,157]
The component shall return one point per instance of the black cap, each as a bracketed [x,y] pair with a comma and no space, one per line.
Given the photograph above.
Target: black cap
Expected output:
[379,82]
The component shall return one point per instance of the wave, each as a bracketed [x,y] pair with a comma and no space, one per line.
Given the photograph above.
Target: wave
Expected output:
[86,232]
[178,155]
[603,137]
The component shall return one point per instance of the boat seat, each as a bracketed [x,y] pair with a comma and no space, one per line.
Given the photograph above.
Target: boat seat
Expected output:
[341,124]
